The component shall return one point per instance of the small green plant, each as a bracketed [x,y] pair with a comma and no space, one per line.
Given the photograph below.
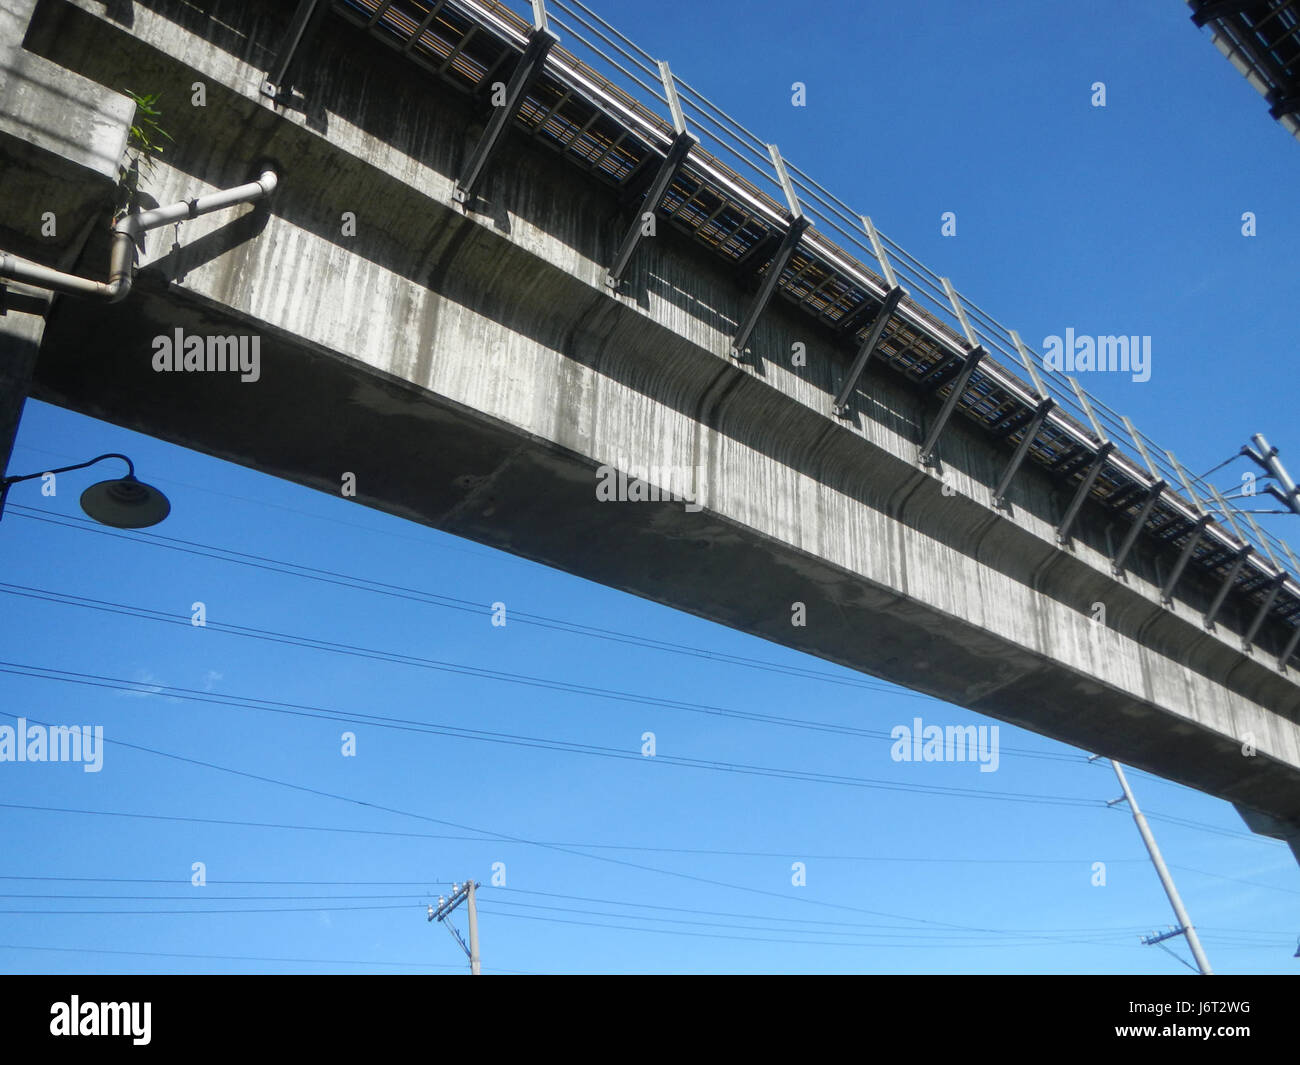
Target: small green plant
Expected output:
[144,144]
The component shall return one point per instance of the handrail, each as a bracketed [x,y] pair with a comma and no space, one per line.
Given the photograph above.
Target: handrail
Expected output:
[837,237]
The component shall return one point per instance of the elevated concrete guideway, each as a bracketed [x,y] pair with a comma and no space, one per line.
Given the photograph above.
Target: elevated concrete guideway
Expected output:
[470,365]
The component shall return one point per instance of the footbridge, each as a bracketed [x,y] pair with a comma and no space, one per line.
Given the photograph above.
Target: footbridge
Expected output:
[507,252]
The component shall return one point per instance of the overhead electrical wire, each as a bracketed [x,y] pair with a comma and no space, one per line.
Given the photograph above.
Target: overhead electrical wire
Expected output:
[295,569]
[430,728]
[505,676]
[677,874]
[242,957]
[658,645]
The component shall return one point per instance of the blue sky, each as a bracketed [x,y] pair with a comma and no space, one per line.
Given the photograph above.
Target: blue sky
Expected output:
[1124,219]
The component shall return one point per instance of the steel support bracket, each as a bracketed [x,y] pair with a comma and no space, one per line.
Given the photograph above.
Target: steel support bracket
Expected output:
[540,42]
[1275,586]
[307,19]
[878,324]
[1228,582]
[1289,649]
[682,144]
[1153,496]
[972,360]
[1022,449]
[1198,534]
[777,266]
[1085,486]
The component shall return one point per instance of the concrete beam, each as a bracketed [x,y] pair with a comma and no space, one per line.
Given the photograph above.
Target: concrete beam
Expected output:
[473,372]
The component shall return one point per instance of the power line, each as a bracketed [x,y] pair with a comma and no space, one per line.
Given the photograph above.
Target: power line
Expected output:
[218,898]
[1214,931]
[914,937]
[827,927]
[693,851]
[193,912]
[514,739]
[1234,879]
[312,643]
[183,882]
[437,599]
[800,899]
[800,942]
[295,569]
[240,824]
[231,957]
[1214,829]
[787,920]
[203,913]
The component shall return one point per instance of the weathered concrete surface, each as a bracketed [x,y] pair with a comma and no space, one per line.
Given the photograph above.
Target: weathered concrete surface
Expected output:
[62,137]
[61,140]
[473,372]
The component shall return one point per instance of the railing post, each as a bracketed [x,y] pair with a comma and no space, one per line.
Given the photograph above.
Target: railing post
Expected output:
[1025,358]
[878,250]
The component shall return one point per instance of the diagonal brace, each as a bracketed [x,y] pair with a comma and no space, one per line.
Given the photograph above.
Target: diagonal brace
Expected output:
[1262,613]
[1026,441]
[1072,511]
[868,349]
[540,42]
[1289,650]
[971,361]
[1198,534]
[1228,582]
[682,144]
[306,20]
[1153,496]
[774,271]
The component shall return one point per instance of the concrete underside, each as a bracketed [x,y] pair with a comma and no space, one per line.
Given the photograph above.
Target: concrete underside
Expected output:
[473,373]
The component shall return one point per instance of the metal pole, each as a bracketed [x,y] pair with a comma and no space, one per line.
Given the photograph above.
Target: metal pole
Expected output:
[1167,881]
[1267,458]
[474,966]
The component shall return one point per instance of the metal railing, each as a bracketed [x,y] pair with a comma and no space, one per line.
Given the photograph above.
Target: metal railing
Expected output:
[844,265]
[729,139]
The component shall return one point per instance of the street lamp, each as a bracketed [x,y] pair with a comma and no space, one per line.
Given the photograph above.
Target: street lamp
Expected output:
[123,504]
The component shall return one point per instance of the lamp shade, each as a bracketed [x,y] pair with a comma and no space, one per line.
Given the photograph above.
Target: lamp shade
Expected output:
[125,504]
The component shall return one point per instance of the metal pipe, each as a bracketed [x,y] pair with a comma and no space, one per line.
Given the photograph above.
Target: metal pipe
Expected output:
[126,232]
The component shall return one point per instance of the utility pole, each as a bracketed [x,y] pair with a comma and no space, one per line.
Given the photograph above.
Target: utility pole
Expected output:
[461,893]
[1266,457]
[1180,913]
[474,966]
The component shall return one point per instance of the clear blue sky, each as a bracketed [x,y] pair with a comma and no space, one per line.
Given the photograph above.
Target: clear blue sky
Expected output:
[1117,220]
